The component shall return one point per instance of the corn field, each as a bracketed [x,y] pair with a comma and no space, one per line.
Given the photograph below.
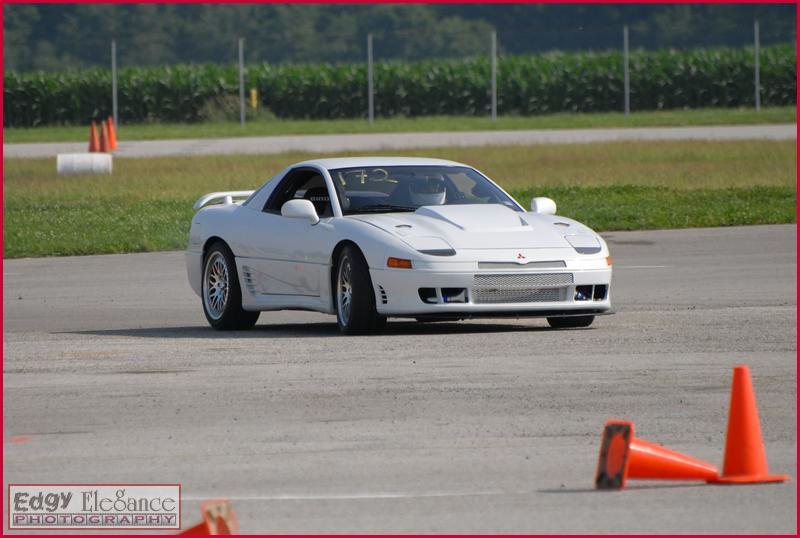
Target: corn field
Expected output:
[527,85]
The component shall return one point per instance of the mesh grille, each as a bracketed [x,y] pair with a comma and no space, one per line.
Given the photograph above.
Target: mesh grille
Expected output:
[521,288]
[523,280]
[511,295]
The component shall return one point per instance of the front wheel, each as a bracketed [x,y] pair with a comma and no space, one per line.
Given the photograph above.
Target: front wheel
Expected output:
[570,322]
[355,298]
[222,296]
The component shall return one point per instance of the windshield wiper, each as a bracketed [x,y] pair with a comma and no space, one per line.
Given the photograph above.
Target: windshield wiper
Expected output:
[379,208]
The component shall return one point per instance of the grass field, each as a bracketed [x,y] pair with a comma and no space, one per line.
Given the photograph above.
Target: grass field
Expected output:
[265,127]
[147,203]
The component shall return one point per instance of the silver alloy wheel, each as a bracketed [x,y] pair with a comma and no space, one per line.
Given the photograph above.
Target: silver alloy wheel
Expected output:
[215,285]
[344,291]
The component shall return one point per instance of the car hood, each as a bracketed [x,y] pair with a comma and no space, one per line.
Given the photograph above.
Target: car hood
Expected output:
[485,226]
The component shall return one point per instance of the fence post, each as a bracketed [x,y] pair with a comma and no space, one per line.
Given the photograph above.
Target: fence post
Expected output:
[757,66]
[494,75]
[626,69]
[370,87]
[114,109]
[241,81]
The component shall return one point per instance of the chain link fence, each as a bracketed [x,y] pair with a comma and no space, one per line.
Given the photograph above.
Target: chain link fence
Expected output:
[510,70]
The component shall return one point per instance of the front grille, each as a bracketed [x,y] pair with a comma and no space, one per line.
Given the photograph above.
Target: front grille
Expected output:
[534,280]
[521,288]
[517,266]
[511,295]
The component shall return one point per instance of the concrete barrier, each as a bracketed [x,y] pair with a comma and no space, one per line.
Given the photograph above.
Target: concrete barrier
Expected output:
[68,164]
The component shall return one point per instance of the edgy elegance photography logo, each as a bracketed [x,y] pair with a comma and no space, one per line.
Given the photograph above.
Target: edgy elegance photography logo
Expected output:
[94,506]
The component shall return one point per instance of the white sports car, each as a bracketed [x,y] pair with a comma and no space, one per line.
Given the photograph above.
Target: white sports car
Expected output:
[375,237]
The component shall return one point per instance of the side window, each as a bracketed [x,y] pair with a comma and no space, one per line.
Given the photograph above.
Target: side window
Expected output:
[298,185]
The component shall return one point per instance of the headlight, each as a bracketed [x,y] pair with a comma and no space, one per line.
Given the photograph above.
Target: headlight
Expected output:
[432,246]
[439,252]
[584,244]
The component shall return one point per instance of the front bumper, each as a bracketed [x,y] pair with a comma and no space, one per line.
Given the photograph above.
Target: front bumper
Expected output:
[397,292]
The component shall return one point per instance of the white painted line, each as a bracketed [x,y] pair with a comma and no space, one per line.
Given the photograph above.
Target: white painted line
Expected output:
[354,496]
[332,143]
[641,266]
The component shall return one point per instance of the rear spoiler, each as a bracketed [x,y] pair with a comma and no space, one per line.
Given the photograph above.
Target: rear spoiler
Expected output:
[226,198]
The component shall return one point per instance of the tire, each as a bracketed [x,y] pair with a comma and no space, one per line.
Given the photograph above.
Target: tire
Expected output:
[354,296]
[221,293]
[570,322]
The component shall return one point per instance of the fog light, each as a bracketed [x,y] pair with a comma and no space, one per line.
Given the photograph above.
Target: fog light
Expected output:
[428,295]
[583,293]
[600,292]
[454,295]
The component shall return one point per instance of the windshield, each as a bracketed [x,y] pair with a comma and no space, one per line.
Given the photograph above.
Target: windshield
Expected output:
[390,189]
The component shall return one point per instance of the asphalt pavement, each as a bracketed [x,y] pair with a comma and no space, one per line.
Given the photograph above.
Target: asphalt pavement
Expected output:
[112,375]
[390,141]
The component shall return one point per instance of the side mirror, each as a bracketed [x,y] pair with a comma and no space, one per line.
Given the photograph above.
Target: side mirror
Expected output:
[300,209]
[542,205]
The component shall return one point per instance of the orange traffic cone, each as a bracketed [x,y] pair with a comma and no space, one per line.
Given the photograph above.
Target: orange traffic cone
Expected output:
[94,142]
[745,457]
[112,134]
[104,138]
[218,518]
[623,456]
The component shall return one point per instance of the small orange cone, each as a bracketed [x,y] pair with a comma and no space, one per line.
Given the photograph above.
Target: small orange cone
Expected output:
[745,457]
[623,456]
[218,518]
[112,134]
[94,142]
[104,138]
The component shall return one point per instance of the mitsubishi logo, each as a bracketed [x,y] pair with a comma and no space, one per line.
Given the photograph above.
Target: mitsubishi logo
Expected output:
[520,256]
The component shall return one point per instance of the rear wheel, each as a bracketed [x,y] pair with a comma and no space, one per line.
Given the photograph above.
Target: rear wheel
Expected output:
[355,298]
[222,296]
[570,322]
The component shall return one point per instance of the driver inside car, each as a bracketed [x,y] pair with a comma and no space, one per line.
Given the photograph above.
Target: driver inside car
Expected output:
[427,191]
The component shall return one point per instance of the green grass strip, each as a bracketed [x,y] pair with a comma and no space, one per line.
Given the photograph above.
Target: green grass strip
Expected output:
[277,127]
[117,225]
[635,207]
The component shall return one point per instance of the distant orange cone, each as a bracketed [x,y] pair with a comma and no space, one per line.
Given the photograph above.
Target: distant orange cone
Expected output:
[94,141]
[112,134]
[104,138]
[745,457]
[218,518]
[623,456]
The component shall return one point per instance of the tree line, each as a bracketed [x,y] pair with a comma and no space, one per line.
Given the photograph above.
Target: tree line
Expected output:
[526,85]
[53,37]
